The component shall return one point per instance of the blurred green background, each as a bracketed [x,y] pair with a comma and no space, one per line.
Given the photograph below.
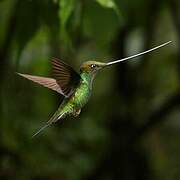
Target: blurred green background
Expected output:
[130,129]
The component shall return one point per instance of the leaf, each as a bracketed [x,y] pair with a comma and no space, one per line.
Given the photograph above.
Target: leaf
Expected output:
[109,4]
[66,10]
[101,24]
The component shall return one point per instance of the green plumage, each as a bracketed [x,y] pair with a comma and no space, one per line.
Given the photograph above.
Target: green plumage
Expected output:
[78,99]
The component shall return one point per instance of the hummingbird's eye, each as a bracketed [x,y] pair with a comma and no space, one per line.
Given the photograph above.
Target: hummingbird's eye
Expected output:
[93,66]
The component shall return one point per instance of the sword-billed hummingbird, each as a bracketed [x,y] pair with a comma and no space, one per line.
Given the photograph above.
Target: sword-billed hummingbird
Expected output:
[75,87]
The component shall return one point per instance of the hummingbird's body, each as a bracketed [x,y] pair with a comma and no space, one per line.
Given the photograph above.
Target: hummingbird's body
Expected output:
[81,93]
[74,103]
[75,87]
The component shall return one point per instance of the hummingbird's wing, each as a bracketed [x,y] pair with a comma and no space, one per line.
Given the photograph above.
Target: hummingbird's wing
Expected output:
[66,77]
[46,82]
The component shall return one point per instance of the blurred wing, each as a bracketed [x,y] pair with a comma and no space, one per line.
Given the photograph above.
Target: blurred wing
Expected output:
[66,77]
[46,82]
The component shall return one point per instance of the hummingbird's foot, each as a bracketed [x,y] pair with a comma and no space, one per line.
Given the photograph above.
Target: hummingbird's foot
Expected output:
[76,112]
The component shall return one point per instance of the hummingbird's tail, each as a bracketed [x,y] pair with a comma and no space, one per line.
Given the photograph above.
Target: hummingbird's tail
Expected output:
[41,129]
[54,118]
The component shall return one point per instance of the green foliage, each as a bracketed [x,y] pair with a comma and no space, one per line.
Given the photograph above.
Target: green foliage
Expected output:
[65,11]
[109,4]
[110,139]
[100,24]
[66,8]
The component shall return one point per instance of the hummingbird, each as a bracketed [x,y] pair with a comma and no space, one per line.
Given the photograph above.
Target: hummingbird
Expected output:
[75,87]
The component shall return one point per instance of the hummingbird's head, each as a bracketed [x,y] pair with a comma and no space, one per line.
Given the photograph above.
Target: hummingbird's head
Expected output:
[92,66]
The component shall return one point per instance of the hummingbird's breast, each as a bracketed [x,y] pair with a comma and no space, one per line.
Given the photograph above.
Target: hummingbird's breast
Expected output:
[81,95]
[77,100]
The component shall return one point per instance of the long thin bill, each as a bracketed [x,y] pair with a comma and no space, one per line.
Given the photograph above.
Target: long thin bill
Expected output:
[139,54]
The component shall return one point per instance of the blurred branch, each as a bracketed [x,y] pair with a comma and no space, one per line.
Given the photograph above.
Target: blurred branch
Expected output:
[159,116]
[4,51]
[150,29]
[174,9]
